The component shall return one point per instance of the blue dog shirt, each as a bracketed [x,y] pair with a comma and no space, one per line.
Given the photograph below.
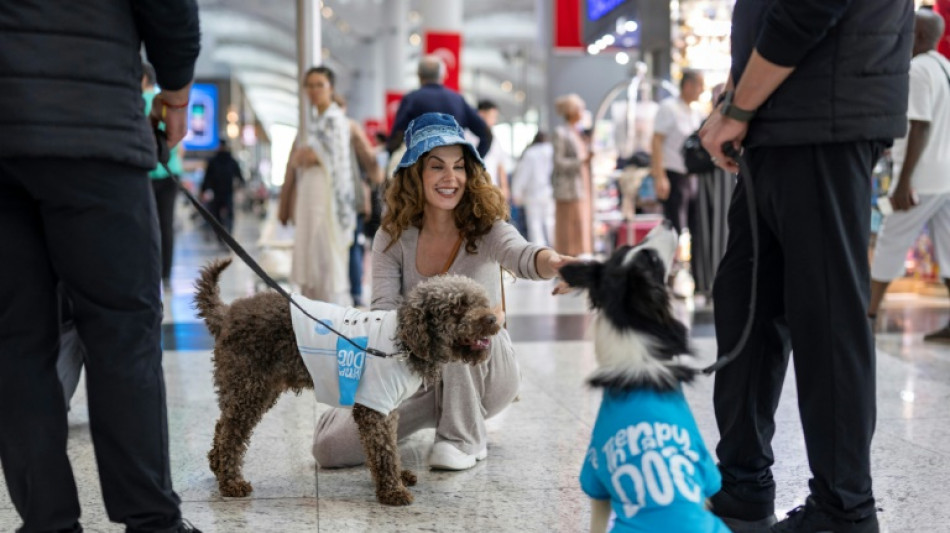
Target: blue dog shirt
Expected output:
[647,457]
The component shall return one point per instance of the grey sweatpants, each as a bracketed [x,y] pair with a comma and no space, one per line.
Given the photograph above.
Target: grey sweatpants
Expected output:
[457,407]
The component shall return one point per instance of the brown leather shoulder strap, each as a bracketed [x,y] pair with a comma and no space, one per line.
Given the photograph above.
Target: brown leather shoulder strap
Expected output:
[455,252]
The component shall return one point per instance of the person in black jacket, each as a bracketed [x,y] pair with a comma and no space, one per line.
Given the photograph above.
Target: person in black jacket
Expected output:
[820,90]
[434,97]
[76,207]
[220,174]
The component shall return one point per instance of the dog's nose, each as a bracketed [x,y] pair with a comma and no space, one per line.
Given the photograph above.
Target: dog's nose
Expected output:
[491,319]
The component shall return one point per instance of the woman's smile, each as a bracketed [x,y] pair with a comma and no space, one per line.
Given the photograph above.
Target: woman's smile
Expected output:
[447,192]
[443,177]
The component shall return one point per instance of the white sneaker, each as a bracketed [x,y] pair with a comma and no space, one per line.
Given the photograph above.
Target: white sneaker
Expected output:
[444,456]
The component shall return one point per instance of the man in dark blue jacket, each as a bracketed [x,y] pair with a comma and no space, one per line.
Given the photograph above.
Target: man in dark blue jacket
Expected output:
[820,90]
[435,97]
[76,207]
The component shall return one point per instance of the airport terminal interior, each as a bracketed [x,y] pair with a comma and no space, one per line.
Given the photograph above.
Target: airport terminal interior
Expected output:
[529,481]
[247,93]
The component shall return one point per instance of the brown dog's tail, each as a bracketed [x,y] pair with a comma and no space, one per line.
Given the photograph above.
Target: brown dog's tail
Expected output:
[208,297]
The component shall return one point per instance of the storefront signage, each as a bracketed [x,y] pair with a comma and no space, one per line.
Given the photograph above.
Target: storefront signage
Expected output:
[598,8]
[202,118]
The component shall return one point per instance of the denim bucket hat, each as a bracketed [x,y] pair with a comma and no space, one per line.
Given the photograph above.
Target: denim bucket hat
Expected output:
[432,130]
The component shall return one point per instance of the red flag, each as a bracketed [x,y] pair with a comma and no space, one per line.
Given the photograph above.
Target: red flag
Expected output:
[448,46]
[943,7]
[392,105]
[567,25]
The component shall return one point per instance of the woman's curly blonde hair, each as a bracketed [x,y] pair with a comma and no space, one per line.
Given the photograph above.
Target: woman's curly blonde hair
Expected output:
[481,205]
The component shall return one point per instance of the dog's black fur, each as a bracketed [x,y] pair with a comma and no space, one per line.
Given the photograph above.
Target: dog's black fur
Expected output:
[633,298]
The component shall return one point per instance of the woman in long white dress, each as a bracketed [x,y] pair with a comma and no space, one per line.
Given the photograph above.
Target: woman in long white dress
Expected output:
[317,196]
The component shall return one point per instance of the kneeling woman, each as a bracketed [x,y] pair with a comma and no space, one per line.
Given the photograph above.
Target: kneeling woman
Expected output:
[444,215]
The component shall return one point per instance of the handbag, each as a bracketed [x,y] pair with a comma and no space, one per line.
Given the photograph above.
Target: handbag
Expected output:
[696,158]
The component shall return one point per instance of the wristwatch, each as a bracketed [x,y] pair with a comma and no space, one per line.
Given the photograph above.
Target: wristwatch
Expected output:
[733,112]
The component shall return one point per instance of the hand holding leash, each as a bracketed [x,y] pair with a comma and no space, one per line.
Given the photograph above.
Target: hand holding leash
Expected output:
[171,109]
[719,131]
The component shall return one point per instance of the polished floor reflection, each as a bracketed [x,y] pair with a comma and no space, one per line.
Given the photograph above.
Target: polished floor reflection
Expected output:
[529,481]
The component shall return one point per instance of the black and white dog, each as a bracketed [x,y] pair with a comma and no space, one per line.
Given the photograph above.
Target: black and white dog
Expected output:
[646,461]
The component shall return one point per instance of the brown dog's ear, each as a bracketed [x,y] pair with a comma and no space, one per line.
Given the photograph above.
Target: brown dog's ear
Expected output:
[414,330]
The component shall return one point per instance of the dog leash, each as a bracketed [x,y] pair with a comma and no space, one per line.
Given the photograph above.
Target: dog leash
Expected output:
[723,360]
[163,154]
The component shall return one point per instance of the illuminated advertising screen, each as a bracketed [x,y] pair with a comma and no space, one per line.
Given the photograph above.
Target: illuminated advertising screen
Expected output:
[202,118]
[598,8]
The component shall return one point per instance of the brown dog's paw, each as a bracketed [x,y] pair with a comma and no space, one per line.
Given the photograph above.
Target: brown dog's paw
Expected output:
[235,489]
[408,477]
[399,496]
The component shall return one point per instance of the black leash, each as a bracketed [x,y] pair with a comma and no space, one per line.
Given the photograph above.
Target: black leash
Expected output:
[163,155]
[723,360]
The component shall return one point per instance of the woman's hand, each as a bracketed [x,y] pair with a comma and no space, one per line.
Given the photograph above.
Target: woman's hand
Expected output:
[550,262]
[555,261]
[562,288]
[499,314]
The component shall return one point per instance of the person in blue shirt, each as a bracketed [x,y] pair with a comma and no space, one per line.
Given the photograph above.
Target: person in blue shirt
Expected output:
[434,97]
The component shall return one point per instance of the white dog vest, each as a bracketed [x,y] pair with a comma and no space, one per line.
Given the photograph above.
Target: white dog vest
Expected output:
[342,374]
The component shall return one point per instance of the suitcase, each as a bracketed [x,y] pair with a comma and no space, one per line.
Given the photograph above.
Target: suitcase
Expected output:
[631,232]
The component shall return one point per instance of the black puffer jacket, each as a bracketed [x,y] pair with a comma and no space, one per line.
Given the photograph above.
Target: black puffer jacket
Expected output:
[70,74]
[852,59]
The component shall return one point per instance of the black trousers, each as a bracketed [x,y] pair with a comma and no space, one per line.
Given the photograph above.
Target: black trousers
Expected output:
[223,211]
[814,225]
[680,206]
[166,192]
[92,225]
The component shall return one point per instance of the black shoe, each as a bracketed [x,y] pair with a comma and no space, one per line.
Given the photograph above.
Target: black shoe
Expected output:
[742,516]
[187,527]
[810,518]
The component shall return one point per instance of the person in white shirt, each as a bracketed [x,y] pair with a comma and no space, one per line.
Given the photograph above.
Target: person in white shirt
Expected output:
[531,189]
[675,121]
[921,194]
[496,159]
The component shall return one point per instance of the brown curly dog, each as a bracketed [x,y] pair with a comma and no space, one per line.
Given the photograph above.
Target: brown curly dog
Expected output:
[256,359]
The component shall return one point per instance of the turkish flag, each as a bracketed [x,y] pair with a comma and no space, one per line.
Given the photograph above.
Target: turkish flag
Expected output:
[372,126]
[567,25]
[392,105]
[943,7]
[448,46]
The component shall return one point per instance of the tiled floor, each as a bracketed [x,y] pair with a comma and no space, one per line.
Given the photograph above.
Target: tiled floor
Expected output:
[529,481]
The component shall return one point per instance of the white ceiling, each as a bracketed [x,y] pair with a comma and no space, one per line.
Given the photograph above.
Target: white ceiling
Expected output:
[254,41]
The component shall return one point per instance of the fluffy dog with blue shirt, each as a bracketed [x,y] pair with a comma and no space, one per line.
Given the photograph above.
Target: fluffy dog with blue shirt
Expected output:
[264,347]
[646,461]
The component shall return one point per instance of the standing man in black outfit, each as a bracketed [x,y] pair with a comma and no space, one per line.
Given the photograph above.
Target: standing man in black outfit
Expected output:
[820,89]
[221,172]
[76,207]
[434,97]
